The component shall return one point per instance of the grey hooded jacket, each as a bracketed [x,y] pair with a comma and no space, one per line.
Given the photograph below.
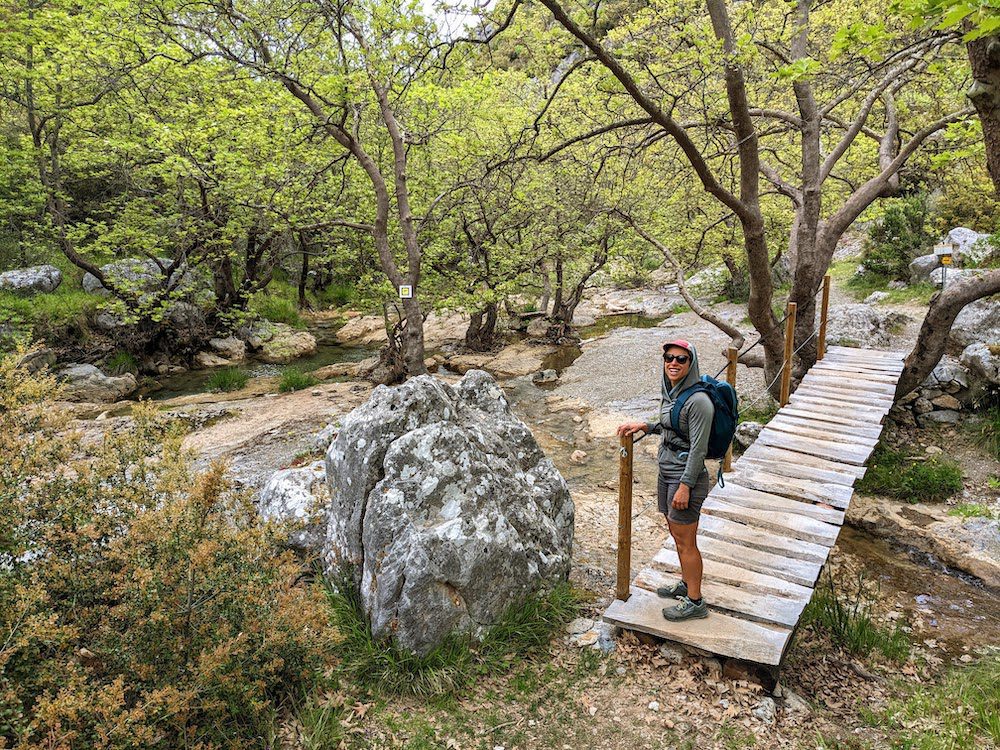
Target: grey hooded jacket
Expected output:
[687,463]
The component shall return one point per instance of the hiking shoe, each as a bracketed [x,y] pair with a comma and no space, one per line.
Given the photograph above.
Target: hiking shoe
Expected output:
[676,591]
[685,609]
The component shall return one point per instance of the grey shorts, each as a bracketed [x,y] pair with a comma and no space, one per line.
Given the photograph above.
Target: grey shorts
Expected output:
[665,489]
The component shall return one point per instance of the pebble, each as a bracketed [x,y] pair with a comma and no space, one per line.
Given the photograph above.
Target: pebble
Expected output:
[965,658]
[580,625]
[654,706]
[765,711]
[932,450]
[593,710]
[587,639]
[577,418]
[671,653]
[578,456]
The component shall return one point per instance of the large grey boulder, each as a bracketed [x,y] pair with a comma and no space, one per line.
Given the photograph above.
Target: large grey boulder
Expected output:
[143,276]
[230,348]
[949,376]
[971,246]
[979,322]
[921,267]
[298,497]
[444,511]
[863,325]
[983,362]
[87,383]
[286,345]
[940,276]
[747,433]
[29,281]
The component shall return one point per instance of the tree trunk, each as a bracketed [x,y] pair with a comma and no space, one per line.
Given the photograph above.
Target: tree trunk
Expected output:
[984,58]
[543,304]
[933,337]
[303,272]
[481,333]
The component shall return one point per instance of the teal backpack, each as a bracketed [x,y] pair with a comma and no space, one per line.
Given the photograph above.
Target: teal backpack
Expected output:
[726,413]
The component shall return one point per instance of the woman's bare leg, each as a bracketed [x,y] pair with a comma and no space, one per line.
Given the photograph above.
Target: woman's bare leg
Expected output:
[686,540]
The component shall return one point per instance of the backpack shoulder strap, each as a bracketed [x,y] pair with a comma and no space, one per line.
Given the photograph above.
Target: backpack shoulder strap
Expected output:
[675,411]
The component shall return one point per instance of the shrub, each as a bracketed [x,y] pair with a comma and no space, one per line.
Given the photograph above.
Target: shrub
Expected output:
[293,379]
[523,630]
[121,362]
[844,612]
[892,475]
[986,433]
[897,238]
[141,605]
[62,315]
[279,304]
[227,379]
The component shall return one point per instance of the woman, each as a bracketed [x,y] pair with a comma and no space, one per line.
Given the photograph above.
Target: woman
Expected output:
[683,480]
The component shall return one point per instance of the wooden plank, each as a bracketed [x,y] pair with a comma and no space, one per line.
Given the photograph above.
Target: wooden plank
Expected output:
[720,633]
[786,524]
[825,381]
[853,351]
[766,541]
[825,416]
[821,448]
[867,363]
[818,433]
[721,597]
[873,376]
[746,497]
[757,477]
[783,456]
[734,575]
[796,470]
[867,430]
[867,356]
[842,394]
[874,415]
[768,563]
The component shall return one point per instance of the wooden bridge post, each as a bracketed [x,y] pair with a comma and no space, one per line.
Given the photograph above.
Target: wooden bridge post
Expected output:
[786,372]
[731,354]
[823,312]
[624,520]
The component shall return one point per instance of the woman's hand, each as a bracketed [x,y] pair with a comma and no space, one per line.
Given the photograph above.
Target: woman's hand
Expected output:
[631,428]
[681,497]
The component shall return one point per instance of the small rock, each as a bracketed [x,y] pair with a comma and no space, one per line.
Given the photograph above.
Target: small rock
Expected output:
[207,359]
[577,418]
[606,634]
[940,417]
[230,348]
[922,406]
[897,284]
[578,456]
[671,653]
[932,450]
[579,625]
[947,402]
[779,691]
[875,297]
[795,704]
[965,658]
[621,671]
[654,706]
[714,666]
[587,639]
[747,433]
[545,376]
[765,711]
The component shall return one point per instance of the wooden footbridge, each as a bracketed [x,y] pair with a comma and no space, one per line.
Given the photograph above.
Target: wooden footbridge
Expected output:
[765,536]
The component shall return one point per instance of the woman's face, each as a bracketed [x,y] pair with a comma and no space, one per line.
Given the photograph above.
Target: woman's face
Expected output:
[676,372]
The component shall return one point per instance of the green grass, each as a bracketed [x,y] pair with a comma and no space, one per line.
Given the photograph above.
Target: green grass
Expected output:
[293,379]
[63,314]
[227,379]
[381,668]
[972,510]
[760,412]
[963,711]
[279,304]
[121,362]
[986,432]
[843,610]
[890,474]
[336,295]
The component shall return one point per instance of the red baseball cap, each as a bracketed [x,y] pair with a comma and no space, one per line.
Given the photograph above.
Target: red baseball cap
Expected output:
[686,345]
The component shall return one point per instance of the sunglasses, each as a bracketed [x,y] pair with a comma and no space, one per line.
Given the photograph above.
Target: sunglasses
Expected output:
[681,359]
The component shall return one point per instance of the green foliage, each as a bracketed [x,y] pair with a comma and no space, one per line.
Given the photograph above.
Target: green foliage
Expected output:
[986,432]
[294,379]
[142,605]
[336,295]
[973,510]
[843,610]
[862,285]
[279,305]
[381,668]
[900,235]
[227,379]
[967,199]
[891,474]
[963,711]
[759,412]
[121,362]
[63,315]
